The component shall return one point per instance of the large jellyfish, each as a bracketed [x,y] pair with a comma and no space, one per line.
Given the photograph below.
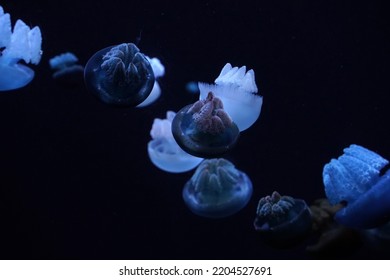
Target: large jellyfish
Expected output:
[159,71]
[21,43]
[163,150]
[238,91]
[282,220]
[67,71]
[204,129]
[217,189]
[355,180]
[120,75]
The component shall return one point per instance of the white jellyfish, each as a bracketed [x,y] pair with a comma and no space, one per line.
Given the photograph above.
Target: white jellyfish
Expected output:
[163,150]
[67,71]
[237,89]
[21,43]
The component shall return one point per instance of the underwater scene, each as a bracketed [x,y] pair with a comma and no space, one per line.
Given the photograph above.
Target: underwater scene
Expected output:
[194,130]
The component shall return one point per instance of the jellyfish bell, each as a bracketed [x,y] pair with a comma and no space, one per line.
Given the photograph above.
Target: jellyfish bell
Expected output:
[282,220]
[237,89]
[217,189]
[355,180]
[204,129]
[21,43]
[119,75]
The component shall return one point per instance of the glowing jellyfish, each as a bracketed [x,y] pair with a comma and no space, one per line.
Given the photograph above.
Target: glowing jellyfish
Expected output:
[159,71]
[119,75]
[22,43]
[282,220]
[355,179]
[217,189]
[67,71]
[163,150]
[238,91]
[204,129]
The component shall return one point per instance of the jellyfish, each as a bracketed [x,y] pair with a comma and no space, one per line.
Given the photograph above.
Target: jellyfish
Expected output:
[158,71]
[163,150]
[204,129]
[119,75]
[217,189]
[67,71]
[22,43]
[282,220]
[355,180]
[237,89]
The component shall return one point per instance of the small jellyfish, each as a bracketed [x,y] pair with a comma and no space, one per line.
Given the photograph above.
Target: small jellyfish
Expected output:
[119,75]
[22,43]
[204,129]
[159,71]
[67,71]
[163,150]
[217,189]
[238,91]
[282,220]
[354,179]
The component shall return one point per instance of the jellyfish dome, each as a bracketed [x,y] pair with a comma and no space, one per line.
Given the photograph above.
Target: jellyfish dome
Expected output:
[21,43]
[217,189]
[282,220]
[355,179]
[237,89]
[163,150]
[204,129]
[158,71]
[119,75]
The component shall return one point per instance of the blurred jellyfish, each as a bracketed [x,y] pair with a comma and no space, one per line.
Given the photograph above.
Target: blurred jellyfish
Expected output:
[159,71]
[282,220]
[163,150]
[192,87]
[21,44]
[238,91]
[119,75]
[204,129]
[355,180]
[217,189]
[67,71]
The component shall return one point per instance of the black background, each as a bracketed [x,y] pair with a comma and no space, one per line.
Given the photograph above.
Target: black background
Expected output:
[75,178]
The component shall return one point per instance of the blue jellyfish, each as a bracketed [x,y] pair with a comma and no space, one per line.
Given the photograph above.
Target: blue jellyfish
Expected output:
[120,75]
[67,71]
[158,71]
[282,220]
[22,43]
[354,179]
[238,91]
[163,150]
[204,129]
[217,189]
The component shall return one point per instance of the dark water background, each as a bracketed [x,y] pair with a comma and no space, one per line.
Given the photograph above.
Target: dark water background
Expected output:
[75,178]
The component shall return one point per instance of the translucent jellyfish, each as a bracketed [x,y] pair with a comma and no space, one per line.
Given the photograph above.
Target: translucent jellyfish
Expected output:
[217,189]
[163,150]
[67,71]
[282,220]
[238,91]
[159,71]
[204,129]
[354,179]
[22,43]
[119,75]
